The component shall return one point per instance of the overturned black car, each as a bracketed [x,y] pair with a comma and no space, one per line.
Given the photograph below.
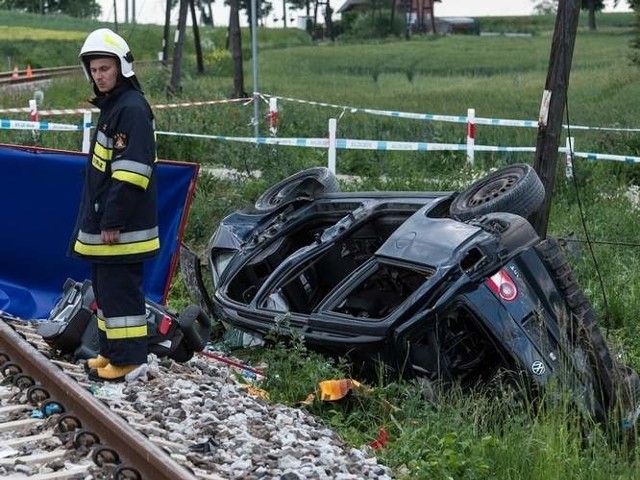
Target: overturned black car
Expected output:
[454,288]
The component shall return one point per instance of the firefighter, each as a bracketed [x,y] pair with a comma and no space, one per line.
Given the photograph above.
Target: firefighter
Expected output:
[117,224]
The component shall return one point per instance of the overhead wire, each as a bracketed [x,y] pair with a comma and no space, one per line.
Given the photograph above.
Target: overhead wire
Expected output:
[599,242]
[583,222]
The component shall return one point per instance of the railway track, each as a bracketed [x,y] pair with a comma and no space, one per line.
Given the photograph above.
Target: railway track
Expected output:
[53,427]
[37,75]
[43,74]
[197,420]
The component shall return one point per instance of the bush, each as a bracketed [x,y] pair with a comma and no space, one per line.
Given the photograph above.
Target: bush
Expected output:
[218,61]
[376,25]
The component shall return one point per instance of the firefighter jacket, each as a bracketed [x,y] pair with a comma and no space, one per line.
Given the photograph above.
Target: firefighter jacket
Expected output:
[120,191]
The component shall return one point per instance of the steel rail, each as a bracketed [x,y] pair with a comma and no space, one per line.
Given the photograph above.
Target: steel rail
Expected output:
[38,74]
[48,72]
[135,449]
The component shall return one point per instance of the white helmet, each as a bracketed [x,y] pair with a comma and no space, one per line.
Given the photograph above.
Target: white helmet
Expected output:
[106,42]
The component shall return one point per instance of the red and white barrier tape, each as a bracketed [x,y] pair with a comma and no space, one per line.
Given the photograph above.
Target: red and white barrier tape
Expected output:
[76,111]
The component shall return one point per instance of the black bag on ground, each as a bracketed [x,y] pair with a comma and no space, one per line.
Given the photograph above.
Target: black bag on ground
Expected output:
[72,327]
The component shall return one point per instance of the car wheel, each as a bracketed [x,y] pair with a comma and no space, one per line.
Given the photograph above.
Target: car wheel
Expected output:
[195,326]
[618,384]
[582,327]
[513,189]
[304,184]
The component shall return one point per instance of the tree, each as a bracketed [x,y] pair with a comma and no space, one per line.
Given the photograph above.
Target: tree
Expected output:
[264,9]
[306,6]
[328,21]
[635,43]
[235,44]
[73,8]
[196,36]
[166,33]
[206,11]
[284,13]
[303,5]
[592,6]
[550,7]
[31,6]
[174,86]
[546,7]
[77,8]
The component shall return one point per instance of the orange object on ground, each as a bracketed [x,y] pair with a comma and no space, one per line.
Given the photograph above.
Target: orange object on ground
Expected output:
[332,390]
[29,72]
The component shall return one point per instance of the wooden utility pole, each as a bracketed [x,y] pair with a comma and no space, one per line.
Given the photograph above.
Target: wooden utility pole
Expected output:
[174,87]
[553,104]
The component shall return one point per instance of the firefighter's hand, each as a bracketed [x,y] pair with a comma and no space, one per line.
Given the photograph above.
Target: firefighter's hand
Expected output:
[110,236]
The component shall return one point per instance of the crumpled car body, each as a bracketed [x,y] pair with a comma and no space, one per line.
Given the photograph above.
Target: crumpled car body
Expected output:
[455,288]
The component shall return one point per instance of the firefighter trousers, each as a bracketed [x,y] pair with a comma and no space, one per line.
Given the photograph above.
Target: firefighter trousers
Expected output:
[122,324]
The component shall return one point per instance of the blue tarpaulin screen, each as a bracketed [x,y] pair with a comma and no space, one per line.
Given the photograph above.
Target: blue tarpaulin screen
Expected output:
[39,197]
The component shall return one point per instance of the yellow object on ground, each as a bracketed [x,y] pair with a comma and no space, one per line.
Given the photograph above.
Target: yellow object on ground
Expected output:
[331,390]
[113,373]
[97,362]
[256,392]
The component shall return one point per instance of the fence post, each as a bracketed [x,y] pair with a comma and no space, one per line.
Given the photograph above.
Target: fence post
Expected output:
[273,116]
[332,145]
[568,165]
[33,107]
[86,131]
[33,117]
[471,135]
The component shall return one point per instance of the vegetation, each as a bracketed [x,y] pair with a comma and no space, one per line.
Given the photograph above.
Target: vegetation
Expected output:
[72,8]
[445,435]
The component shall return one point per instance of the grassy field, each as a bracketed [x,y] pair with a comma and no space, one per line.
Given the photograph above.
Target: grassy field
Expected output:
[501,77]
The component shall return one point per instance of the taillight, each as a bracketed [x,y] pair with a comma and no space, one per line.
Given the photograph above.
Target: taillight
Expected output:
[502,285]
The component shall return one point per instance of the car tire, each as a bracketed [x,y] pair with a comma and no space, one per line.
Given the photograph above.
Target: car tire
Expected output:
[619,382]
[582,327]
[195,326]
[304,184]
[513,189]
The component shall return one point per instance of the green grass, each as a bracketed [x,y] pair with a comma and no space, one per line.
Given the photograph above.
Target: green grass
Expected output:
[432,437]
[50,40]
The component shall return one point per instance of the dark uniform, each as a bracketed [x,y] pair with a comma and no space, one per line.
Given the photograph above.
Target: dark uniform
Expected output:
[120,193]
